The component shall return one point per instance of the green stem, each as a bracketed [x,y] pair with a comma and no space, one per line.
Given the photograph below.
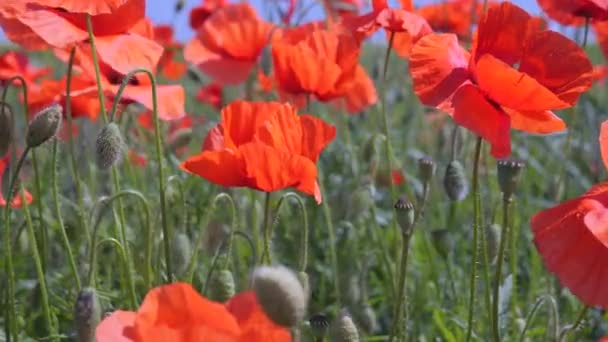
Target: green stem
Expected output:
[552,306]
[386,122]
[506,204]
[123,257]
[331,231]
[401,291]
[44,296]
[577,323]
[11,316]
[43,234]
[102,103]
[303,253]
[266,231]
[255,228]
[64,237]
[476,228]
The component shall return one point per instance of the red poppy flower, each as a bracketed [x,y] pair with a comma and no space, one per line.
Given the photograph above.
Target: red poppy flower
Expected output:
[451,16]
[17,200]
[137,159]
[574,12]
[92,7]
[177,313]
[485,93]
[360,95]
[308,60]
[167,65]
[200,13]
[228,43]
[119,39]
[265,146]
[211,94]
[13,63]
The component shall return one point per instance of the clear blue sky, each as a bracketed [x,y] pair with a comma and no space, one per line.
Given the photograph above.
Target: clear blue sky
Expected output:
[161,11]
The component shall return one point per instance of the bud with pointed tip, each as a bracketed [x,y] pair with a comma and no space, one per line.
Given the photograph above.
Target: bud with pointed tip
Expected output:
[109,146]
[280,294]
[509,173]
[406,214]
[87,315]
[6,128]
[455,181]
[44,126]
[343,329]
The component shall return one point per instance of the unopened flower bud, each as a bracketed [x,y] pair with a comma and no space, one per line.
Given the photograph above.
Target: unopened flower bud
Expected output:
[509,173]
[280,294]
[406,214]
[87,315]
[109,146]
[44,126]
[455,181]
[492,240]
[6,128]
[426,167]
[343,329]
[180,138]
[221,288]
[319,324]
[181,251]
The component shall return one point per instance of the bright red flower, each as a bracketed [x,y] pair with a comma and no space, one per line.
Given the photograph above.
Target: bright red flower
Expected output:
[360,95]
[485,93]
[13,63]
[228,43]
[177,313]
[167,65]
[92,7]
[265,146]
[211,94]
[454,16]
[17,201]
[202,12]
[120,41]
[574,12]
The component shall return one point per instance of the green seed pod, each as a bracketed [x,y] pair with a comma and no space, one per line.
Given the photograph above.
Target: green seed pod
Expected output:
[426,168]
[181,251]
[180,138]
[509,173]
[343,329]
[492,240]
[6,128]
[367,319]
[280,295]
[406,214]
[221,288]
[319,324]
[87,315]
[109,146]
[455,181]
[44,126]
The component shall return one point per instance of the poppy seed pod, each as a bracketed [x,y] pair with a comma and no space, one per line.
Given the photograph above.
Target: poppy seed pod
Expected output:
[181,251]
[509,173]
[455,181]
[343,329]
[221,288]
[319,324]
[44,126]
[181,138]
[280,294]
[87,315]
[6,129]
[109,146]
[406,214]
[426,167]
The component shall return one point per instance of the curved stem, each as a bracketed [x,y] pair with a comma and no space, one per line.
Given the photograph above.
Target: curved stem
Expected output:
[531,315]
[303,255]
[576,325]
[386,124]
[266,231]
[476,228]
[123,257]
[506,204]
[227,241]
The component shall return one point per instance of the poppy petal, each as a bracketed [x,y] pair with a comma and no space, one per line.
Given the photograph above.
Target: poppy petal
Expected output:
[597,222]
[254,323]
[118,327]
[223,167]
[241,119]
[92,7]
[53,28]
[557,63]
[540,122]
[512,88]
[474,112]
[438,66]
[127,52]
[223,71]
[360,94]
[282,130]
[170,99]
[316,135]
[604,142]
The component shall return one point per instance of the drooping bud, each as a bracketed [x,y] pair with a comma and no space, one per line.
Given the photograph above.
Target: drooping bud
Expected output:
[87,315]
[343,329]
[319,324]
[6,128]
[426,167]
[181,252]
[509,173]
[180,138]
[492,240]
[455,181]
[406,214]
[280,294]
[109,146]
[221,288]
[44,126]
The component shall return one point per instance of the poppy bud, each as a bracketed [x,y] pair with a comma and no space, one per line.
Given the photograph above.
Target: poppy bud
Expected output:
[343,329]
[180,138]
[280,294]
[109,146]
[6,128]
[319,324]
[509,172]
[360,201]
[221,288]
[181,252]
[426,167]
[367,319]
[44,126]
[87,315]
[406,214]
[492,240]
[455,181]
[179,5]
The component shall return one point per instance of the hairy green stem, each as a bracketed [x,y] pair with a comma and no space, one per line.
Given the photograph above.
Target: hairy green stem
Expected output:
[506,205]
[303,253]
[266,231]
[388,148]
[331,231]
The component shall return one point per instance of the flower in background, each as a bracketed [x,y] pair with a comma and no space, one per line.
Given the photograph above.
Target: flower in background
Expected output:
[574,12]
[227,45]
[14,63]
[200,13]
[211,94]
[167,65]
[484,93]
[177,313]
[572,239]
[342,8]
[123,37]
[454,16]
[17,200]
[360,94]
[265,146]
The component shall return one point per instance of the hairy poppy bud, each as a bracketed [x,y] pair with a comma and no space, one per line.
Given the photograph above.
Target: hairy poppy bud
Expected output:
[180,138]
[181,251]
[44,126]
[367,319]
[6,128]
[109,146]
[343,329]
[280,294]
[492,240]
[319,324]
[406,214]
[509,172]
[87,315]
[426,168]
[221,288]
[455,181]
